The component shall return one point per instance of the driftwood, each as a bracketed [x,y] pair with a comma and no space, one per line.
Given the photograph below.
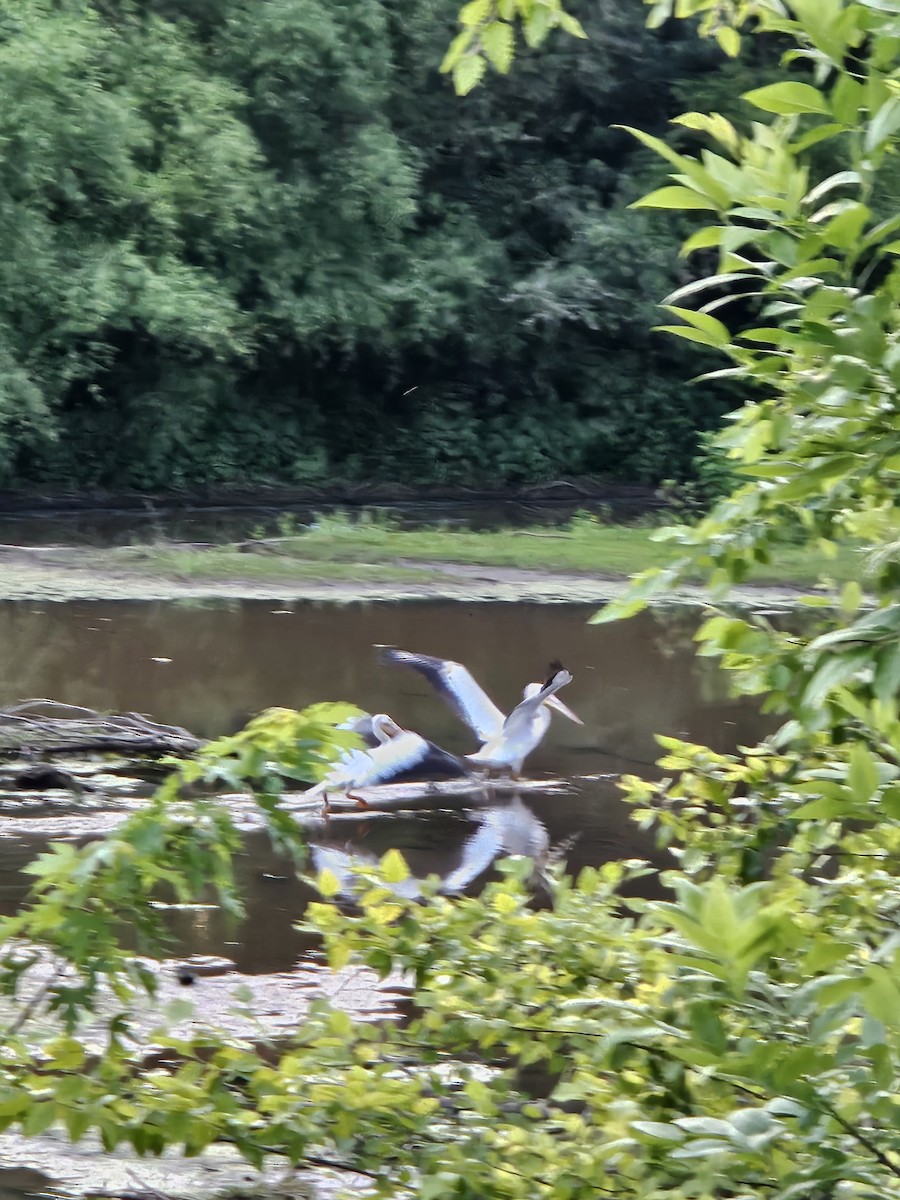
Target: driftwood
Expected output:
[49,727]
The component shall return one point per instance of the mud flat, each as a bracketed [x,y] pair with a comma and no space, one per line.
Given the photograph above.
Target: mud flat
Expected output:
[64,573]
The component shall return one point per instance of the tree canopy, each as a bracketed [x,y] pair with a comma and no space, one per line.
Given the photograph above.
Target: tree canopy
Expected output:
[262,241]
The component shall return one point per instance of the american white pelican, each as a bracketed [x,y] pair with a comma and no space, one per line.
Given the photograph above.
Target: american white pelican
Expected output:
[506,741]
[400,754]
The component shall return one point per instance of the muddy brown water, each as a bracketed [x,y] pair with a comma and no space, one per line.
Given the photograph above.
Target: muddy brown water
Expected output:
[209,666]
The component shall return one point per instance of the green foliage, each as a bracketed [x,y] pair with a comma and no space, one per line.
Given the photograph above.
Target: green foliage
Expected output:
[64,965]
[713,477]
[340,547]
[488,36]
[264,242]
[739,1037]
[180,843]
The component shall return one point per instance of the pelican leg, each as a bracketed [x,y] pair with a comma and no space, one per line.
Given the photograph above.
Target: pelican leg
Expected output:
[360,802]
[326,806]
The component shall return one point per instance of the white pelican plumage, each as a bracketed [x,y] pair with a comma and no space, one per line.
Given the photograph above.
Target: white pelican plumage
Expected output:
[506,741]
[399,754]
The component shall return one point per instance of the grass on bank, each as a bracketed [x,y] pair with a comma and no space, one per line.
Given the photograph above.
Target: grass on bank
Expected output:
[227,562]
[341,549]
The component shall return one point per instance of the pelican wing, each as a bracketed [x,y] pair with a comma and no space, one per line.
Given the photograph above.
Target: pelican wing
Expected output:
[457,686]
[410,756]
[403,756]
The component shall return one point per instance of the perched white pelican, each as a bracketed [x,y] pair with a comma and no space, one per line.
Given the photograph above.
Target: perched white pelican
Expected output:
[400,754]
[506,741]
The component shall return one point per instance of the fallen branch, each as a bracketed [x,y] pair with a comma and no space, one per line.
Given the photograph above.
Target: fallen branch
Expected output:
[50,727]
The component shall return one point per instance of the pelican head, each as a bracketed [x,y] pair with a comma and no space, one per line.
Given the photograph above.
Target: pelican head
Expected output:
[385,728]
[532,689]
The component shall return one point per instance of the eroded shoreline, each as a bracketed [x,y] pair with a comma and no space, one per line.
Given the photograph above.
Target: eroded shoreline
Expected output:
[57,575]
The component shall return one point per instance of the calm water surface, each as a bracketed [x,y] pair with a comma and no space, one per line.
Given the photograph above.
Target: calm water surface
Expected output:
[210,667]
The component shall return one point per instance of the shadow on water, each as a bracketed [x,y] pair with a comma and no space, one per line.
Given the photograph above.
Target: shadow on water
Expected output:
[227,523]
[209,667]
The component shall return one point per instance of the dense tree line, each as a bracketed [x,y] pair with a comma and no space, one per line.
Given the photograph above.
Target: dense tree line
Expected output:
[262,240]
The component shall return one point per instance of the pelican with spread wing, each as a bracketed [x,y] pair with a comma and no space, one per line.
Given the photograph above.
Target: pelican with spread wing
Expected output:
[393,754]
[506,741]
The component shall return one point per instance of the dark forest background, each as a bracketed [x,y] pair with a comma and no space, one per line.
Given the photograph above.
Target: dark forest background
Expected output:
[261,241]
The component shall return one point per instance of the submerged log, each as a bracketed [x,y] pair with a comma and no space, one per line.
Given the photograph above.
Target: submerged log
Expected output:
[50,727]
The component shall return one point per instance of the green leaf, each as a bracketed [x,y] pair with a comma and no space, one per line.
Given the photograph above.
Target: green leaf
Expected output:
[703,239]
[571,25]
[838,179]
[703,321]
[844,229]
[705,283]
[821,133]
[882,997]
[457,49]
[393,867]
[707,1126]
[883,125]
[537,23]
[834,671]
[468,73]
[862,774]
[787,97]
[497,41]
[690,335]
[77,1122]
[729,39]
[882,230]
[39,1118]
[673,197]
[658,1131]
[474,12]
[641,589]
[815,479]
[851,597]
[702,180]
[715,125]
[826,808]
[327,883]
[887,674]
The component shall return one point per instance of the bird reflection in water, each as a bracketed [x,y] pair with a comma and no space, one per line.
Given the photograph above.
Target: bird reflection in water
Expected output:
[507,827]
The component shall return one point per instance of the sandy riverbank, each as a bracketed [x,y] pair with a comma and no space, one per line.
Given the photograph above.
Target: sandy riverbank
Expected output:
[67,573]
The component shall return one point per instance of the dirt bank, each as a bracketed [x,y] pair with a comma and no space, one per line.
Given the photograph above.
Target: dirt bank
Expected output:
[66,573]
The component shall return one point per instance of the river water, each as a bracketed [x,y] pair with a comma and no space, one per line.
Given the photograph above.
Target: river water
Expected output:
[210,666]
